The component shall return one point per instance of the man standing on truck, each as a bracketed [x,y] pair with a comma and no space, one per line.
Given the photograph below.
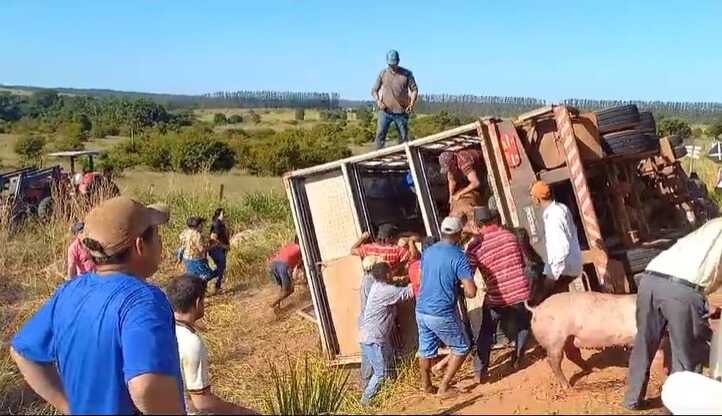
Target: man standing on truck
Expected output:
[395,93]
[498,254]
[672,298]
[463,170]
[564,256]
[444,268]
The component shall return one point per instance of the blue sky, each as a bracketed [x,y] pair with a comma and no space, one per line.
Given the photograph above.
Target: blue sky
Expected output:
[628,49]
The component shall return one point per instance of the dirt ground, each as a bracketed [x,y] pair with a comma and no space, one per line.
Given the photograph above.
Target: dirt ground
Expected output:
[243,337]
[533,390]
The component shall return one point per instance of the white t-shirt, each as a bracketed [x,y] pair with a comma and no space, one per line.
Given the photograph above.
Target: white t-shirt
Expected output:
[194,362]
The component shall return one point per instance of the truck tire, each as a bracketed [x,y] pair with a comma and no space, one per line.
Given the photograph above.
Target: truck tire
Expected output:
[45,208]
[680,152]
[636,260]
[647,123]
[617,118]
[629,142]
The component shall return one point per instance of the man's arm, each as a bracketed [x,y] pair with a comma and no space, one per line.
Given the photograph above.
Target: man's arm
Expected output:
[43,378]
[154,393]
[413,93]
[473,185]
[375,91]
[355,248]
[451,179]
[208,403]
[469,287]
[72,267]
[215,241]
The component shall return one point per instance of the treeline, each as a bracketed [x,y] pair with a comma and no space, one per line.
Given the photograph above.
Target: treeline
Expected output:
[700,112]
[477,105]
[273,99]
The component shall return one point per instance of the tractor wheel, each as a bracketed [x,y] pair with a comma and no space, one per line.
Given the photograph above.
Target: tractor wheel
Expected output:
[647,123]
[629,142]
[45,208]
[617,118]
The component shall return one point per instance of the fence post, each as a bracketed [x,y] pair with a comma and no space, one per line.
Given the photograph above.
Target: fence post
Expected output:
[220,193]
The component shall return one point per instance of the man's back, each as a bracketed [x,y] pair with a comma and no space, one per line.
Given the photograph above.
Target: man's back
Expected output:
[101,331]
[442,267]
[379,311]
[498,255]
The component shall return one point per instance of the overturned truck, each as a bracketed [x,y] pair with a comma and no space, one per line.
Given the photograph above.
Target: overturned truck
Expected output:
[623,184]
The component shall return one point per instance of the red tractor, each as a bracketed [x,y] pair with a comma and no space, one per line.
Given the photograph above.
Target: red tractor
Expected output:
[37,192]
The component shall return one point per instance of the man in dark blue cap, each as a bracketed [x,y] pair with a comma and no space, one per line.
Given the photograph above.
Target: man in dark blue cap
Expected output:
[395,93]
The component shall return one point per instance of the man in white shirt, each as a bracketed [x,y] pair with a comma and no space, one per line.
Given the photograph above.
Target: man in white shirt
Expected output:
[672,296]
[564,256]
[186,294]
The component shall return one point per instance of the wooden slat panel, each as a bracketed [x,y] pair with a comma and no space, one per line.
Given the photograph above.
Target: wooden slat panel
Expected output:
[342,278]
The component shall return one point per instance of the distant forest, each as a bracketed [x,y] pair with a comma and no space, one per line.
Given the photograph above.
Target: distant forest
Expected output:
[461,105]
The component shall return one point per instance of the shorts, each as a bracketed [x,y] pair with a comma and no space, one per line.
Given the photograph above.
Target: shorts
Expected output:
[281,274]
[434,330]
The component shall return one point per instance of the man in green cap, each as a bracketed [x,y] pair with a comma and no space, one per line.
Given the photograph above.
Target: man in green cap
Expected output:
[395,93]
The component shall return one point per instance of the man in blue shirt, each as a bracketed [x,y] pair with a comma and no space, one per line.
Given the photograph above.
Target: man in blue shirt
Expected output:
[444,268]
[105,343]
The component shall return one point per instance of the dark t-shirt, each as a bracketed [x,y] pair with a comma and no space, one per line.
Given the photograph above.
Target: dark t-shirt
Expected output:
[219,229]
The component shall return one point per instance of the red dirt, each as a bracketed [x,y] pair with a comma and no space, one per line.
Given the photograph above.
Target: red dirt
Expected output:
[533,389]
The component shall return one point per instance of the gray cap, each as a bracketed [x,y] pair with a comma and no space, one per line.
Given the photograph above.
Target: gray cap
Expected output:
[451,225]
[392,57]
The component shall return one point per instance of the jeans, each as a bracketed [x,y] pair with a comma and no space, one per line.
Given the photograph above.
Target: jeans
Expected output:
[218,254]
[281,274]
[434,330]
[663,304]
[377,364]
[515,322]
[382,128]
[200,268]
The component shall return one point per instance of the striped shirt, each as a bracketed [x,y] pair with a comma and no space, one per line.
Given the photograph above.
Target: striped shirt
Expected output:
[498,255]
[391,254]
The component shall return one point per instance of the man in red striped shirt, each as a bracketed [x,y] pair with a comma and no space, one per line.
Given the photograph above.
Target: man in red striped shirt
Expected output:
[498,255]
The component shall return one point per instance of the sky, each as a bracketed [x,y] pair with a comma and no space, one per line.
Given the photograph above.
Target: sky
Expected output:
[611,49]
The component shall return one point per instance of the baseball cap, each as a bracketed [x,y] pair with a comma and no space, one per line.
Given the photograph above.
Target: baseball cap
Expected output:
[392,57]
[117,222]
[446,159]
[540,190]
[451,225]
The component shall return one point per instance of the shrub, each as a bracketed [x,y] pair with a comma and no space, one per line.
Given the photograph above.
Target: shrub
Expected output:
[219,118]
[254,117]
[30,148]
[674,126]
[235,119]
[122,156]
[299,114]
[192,155]
[309,388]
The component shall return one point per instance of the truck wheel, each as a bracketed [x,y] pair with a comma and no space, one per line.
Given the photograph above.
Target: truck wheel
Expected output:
[629,142]
[680,152]
[647,123]
[617,118]
[45,208]
[636,260]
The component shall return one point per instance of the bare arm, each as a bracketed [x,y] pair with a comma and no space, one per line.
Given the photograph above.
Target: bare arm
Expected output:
[413,93]
[375,90]
[413,251]
[209,403]
[452,184]
[216,242]
[154,393]
[43,378]
[473,184]
[355,247]
[469,287]
[72,265]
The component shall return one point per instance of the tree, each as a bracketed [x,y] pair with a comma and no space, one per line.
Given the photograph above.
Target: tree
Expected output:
[84,122]
[715,130]
[30,148]
[235,119]
[219,118]
[299,114]
[673,126]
